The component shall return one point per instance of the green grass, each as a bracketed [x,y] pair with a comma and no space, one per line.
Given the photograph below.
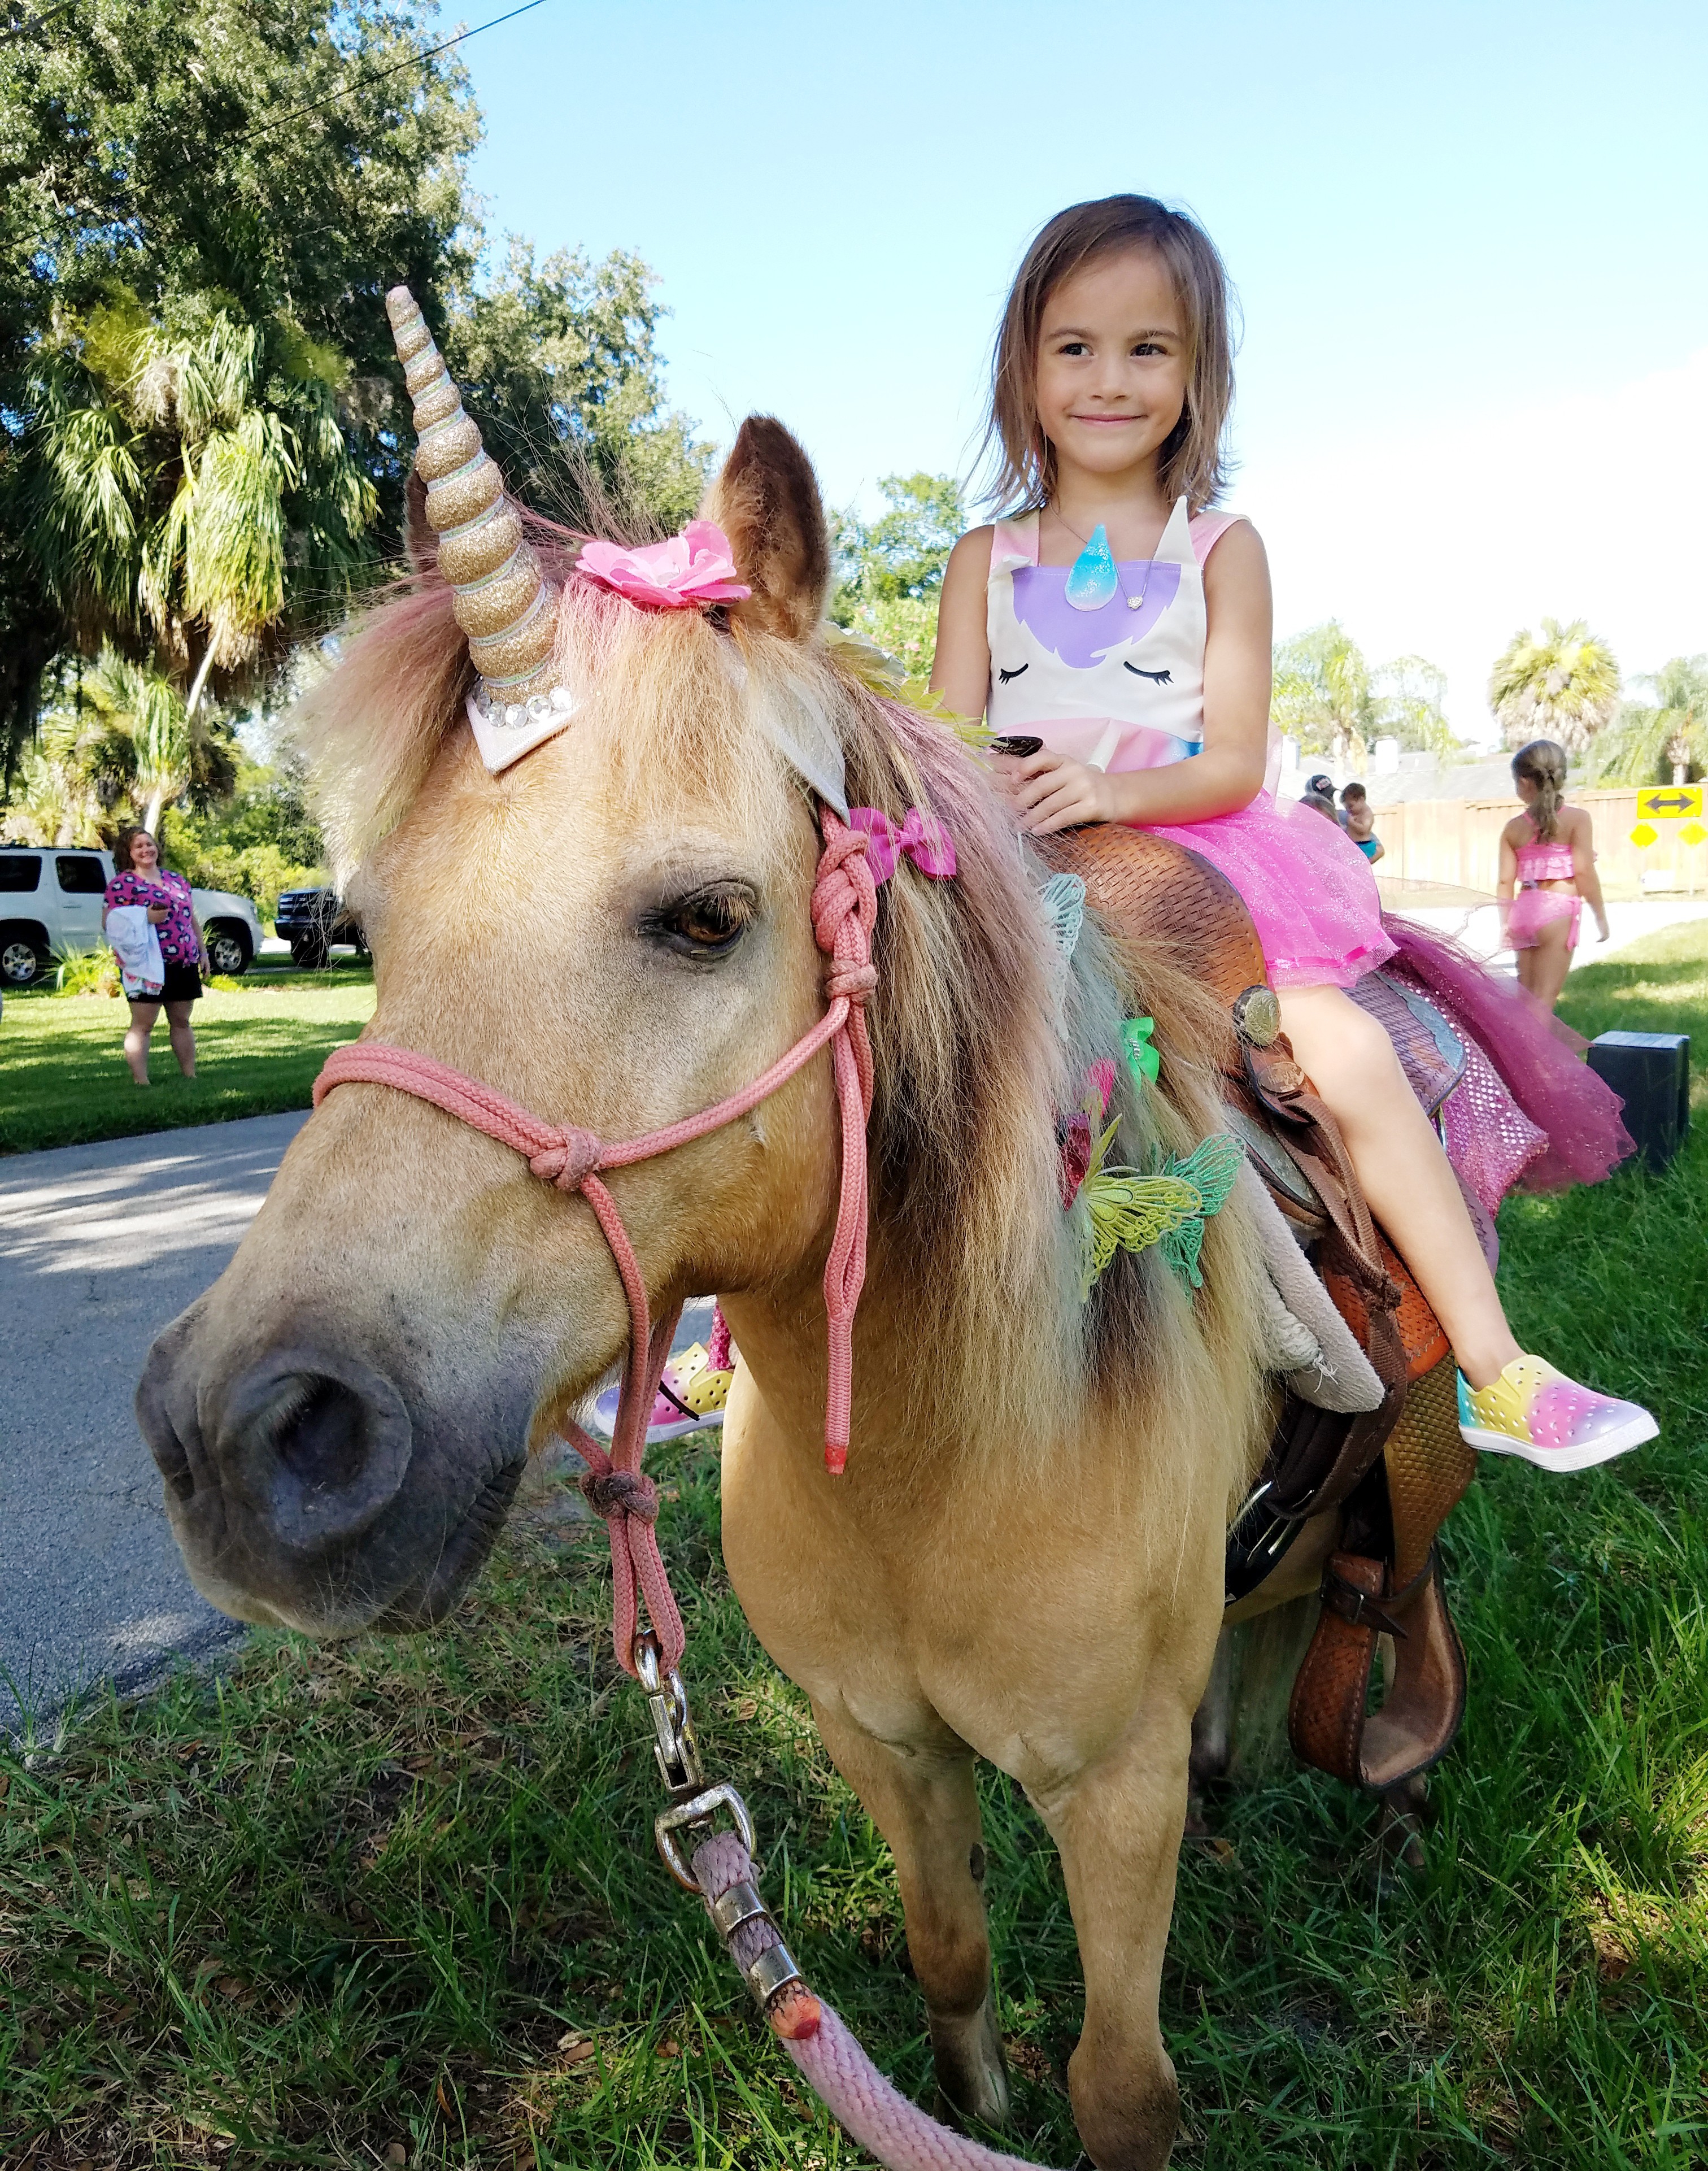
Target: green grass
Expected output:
[259,1043]
[402,1894]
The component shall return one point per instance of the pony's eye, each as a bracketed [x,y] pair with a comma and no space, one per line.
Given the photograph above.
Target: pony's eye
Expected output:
[706,923]
[1009,677]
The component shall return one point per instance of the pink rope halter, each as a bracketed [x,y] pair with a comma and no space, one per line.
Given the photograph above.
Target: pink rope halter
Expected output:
[844,913]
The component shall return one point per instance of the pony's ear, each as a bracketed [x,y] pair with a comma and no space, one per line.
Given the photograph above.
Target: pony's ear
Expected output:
[420,544]
[767,502]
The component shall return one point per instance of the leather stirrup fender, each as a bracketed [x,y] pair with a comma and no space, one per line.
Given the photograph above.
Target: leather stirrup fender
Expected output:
[1328,1721]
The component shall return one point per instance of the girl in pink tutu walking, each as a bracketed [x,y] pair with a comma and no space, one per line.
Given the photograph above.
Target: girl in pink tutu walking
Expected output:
[1114,616]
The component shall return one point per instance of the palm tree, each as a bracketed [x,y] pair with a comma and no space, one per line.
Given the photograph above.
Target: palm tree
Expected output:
[55,801]
[190,487]
[79,767]
[1410,706]
[1563,686]
[146,708]
[1669,733]
[1322,694]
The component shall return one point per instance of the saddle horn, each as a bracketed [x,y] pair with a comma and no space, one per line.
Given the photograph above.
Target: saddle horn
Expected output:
[503,601]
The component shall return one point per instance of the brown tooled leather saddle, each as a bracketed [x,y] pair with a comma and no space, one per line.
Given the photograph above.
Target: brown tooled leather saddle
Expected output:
[1389,1476]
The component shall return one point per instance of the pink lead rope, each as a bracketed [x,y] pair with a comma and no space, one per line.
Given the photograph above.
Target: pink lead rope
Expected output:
[844,913]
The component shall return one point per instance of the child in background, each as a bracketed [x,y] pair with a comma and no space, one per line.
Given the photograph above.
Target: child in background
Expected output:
[1359,823]
[1548,856]
[1112,615]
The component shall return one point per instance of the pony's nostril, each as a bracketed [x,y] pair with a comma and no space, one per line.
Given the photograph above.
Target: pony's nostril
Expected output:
[320,1435]
[319,1452]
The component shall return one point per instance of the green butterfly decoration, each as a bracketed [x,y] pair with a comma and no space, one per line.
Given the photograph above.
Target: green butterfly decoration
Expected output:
[1128,1211]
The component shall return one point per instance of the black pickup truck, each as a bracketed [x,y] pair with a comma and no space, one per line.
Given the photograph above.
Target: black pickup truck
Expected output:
[311,920]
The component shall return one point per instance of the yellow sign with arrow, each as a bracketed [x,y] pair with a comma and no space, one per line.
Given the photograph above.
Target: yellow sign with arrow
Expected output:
[1670,802]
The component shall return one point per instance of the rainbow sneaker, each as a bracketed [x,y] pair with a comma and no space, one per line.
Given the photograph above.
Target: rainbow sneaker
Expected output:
[691,1395]
[1534,1411]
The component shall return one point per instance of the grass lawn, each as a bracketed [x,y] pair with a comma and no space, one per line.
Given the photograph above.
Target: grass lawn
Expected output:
[259,1042]
[397,1901]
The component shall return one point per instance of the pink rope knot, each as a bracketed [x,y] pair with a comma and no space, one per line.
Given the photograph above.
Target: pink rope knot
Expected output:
[621,1492]
[844,895]
[569,1161]
[856,982]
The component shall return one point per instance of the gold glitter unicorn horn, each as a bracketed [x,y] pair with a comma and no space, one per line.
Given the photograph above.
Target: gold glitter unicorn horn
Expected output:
[503,601]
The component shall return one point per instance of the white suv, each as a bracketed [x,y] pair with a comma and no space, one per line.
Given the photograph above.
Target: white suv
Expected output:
[50,903]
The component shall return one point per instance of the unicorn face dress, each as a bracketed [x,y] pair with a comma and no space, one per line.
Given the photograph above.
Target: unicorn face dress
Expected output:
[1121,688]
[1117,687]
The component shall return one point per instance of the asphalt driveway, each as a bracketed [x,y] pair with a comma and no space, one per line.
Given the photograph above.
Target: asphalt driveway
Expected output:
[91,1587]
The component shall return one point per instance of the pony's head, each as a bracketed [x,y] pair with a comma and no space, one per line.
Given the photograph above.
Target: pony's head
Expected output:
[613,930]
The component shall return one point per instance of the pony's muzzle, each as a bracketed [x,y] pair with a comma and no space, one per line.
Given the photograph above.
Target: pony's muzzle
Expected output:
[314,1443]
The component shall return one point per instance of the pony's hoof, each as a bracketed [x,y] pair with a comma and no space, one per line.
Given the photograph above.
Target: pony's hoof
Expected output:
[1399,1839]
[972,2072]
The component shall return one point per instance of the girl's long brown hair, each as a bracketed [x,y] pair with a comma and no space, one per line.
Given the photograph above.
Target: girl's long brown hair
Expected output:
[1543,763]
[1192,463]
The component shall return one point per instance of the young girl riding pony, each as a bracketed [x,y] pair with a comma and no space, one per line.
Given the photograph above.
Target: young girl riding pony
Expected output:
[1115,617]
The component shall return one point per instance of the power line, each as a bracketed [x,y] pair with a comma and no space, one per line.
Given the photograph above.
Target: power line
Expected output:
[379,75]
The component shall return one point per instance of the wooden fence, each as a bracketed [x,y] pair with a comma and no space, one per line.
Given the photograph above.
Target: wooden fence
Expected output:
[1457,842]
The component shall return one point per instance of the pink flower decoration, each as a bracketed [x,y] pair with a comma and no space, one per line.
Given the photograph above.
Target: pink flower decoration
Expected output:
[688,572]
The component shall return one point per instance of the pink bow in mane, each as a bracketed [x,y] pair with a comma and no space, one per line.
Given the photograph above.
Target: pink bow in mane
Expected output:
[921,838]
[688,573]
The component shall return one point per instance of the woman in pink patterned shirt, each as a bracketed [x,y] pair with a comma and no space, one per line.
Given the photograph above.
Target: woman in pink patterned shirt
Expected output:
[139,878]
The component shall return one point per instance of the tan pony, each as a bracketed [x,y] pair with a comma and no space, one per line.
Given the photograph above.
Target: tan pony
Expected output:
[1023,1561]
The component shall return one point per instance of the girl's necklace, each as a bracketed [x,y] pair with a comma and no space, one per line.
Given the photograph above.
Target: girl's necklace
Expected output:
[1094,578]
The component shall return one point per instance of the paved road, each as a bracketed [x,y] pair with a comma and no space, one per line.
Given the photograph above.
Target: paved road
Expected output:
[91,1586]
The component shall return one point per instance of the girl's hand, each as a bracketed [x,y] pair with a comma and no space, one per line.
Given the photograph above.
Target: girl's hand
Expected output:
[1601,922]
[158,915]
[1051,792]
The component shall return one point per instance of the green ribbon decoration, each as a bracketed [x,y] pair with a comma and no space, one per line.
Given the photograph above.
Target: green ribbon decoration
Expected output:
[1143,1059]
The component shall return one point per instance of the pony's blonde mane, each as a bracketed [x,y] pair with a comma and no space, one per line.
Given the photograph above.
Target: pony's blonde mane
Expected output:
[976,1050]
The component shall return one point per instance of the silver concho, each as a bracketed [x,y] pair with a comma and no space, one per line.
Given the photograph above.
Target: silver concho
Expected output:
[1257,1016]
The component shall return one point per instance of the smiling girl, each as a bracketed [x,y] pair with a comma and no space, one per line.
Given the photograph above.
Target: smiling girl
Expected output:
[1114,617]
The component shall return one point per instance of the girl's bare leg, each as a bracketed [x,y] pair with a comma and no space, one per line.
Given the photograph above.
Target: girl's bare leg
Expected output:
[183,1038]
[1550,960]
[1407,1177]
[143,1017]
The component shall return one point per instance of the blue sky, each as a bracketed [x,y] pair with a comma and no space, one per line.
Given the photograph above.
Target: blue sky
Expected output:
[1468,242]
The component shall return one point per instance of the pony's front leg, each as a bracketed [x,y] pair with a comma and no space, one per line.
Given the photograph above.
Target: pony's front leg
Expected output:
[1116,1826]
[920,1795]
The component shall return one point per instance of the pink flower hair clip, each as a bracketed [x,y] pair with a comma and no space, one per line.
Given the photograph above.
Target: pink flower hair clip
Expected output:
[689,571]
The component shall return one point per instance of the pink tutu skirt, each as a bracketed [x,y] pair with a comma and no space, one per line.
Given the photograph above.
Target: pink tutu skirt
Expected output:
[1554,1122]
[1309,890]
[1529,1110]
